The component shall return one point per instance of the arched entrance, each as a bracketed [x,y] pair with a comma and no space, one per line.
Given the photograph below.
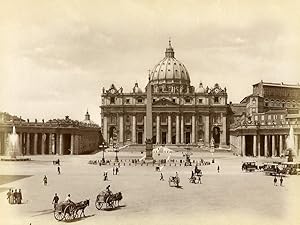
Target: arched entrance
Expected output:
[216,136]
[112,134]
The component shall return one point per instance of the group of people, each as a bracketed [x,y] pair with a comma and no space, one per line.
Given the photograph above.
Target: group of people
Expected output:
[115,170]
[275,181]
[14,197]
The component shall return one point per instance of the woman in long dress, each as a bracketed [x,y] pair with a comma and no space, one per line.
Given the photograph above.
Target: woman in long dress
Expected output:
[11,197]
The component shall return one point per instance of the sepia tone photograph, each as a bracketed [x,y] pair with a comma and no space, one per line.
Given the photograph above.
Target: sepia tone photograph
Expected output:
[149,112]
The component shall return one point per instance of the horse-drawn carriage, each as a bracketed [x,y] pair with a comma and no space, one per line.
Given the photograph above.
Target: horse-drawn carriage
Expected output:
[250,166]
[196,179]
[174,181]
[109,199]
[69,210]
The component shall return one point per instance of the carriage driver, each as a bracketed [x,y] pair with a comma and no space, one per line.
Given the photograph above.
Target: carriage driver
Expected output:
[108,190]
[68,199]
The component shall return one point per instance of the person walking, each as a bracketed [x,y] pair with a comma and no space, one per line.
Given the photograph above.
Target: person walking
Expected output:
[275,181]
[117,170]
[161,177]
[113,170]
[55,200]
[218,169]
[19,197]
[45,179]
[281,181]
[58,170]
[11,197]
[8,195]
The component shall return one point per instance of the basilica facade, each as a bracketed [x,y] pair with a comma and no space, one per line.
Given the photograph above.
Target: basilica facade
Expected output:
[181,113]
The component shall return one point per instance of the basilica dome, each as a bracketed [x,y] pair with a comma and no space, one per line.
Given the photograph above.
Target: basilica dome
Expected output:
[169,70]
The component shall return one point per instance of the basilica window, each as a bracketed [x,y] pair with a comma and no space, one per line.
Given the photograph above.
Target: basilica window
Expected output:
[127,101]
[216,100]
[113,119]
[112,100]
[140,118]
[200,101]
[140,100]
[187,100]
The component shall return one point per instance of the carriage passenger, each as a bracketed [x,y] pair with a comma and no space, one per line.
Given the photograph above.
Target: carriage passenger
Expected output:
[68,199]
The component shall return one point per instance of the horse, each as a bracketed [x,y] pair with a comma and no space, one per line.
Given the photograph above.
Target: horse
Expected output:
[80,206]
[118,197]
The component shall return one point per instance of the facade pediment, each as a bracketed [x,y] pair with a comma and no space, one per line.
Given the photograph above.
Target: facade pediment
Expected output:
[164,101]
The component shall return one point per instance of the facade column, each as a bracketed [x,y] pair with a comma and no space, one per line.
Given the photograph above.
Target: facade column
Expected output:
[28,144]
[105,129]
[61,144]
[144,134]
[20,144]
[254,145]
[266,146]
[51,151]
[177,129]
[76,144]
[43,143]
[258,145]
[182,130]
[273,146]
[224,134]
[35,143]
[157,129]
[243,145]
[296,145]
[280,145]
[169,141]
[133,129]
[193,128]
[72,144]
[206,134]
[121,129]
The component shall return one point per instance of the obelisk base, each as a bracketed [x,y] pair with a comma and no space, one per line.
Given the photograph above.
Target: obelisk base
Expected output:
[149,149]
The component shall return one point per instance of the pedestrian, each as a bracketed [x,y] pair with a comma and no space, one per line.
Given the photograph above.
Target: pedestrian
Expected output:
[55,200]
[117,170]
[19,197]
[15,196]
[275,181]
[192,174]
[218,169]
[45,180]
[113,170]
[58,162]
[58,170]
[8,195]
[11,197]
[281,181]
[161,177]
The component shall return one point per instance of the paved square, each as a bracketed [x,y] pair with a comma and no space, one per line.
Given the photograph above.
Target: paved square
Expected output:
[228,197]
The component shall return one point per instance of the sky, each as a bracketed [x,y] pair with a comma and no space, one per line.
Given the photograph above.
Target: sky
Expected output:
[56,56]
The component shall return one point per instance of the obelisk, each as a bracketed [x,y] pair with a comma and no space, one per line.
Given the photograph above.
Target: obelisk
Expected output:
[149,124]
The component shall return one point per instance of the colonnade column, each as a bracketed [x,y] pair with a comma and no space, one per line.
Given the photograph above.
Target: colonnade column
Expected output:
[182,130]
[43,143]
[273,145]
[258,145]
[35,143]
[266,146]
[243,144]
[177,129]
[76,144]
[193,128]
[61,144]
[169,129]
[105,129]
[72,144]
[20,144]
[280,145]
[254,145]
[296,145]
[121,129]
[133,129]
[157,129]
[28,144]
[206,132]
[144,134]
[51,151]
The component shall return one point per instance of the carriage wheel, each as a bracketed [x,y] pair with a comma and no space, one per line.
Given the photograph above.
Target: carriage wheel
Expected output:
[99,205]
[69,212]
[59,215]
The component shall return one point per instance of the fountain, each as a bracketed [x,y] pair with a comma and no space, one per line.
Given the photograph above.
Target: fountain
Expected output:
[290,145]
[13,147]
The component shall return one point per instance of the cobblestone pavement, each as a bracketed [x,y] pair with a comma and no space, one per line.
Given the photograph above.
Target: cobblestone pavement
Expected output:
[229,197]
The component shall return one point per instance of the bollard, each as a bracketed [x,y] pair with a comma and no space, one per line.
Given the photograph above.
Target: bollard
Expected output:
[124,164]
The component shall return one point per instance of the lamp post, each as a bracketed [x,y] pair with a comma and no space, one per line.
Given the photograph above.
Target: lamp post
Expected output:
[188,155]
[102,146]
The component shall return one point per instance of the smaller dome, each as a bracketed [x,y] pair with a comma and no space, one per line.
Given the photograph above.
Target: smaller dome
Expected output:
[136,88]
[200,89]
